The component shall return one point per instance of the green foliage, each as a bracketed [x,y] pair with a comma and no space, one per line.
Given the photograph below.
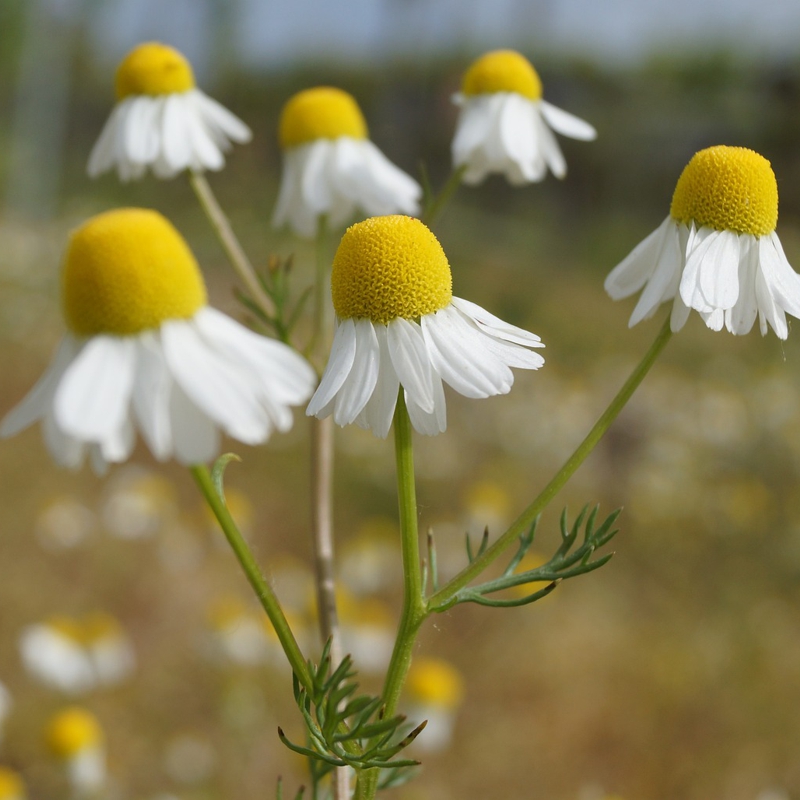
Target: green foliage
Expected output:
[347,729]
[275,282]
[566,563]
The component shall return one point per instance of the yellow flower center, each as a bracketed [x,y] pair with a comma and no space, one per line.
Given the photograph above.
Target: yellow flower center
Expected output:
[320,113]
[67,627]
[72,730]
[11,786]
[389,267]
[728,189]
[153,68]
[126,271]
[502,71]
[434,682]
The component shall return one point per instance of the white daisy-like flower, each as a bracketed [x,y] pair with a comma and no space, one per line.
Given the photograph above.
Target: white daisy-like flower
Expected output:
[717,252]
[75,737]
[54,653]
[331,168]
[398,324]
[109,648]
[145,351]
[504,125]
[162,120]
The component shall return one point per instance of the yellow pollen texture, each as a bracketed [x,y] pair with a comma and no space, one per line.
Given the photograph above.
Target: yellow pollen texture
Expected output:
[320,113]
[389,267]
[71,730]
[502,71]
[11,786]
[432,681]
[153,69]
[127,271]
[727,189]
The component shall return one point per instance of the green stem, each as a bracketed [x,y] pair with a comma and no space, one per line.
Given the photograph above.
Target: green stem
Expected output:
[440,201]
[236,255]
[414,606]
[254,575]
[443,599]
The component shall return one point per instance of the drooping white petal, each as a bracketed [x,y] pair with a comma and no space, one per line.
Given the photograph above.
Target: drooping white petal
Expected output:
[379,411]
[739,319]
[67,451]
[700,243]
[551,152]
[520,141]
[103,153]
[567,124]
[93,397]
[151,396]
[633,272]
[768,309]
[140,134]
[495,326]
[118,445]
[38,402]
[224,392]
[782,280]
[195,437]
[429,423]
[175,143]
[388,190]
[224,121]
[411,361]
[340,362]
[679,314]
[360,382]
[206,153]
[315,188]
[664,281]
[719,272]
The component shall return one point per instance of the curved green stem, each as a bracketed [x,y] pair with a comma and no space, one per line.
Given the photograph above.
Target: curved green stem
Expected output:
[236,255]
[414,606]
[254,575]
[440,201]
[444,598]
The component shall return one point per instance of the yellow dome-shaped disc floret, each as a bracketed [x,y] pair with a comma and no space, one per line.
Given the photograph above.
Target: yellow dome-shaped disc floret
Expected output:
[127,271]
[320,113]
[153,68]
[432,681]
[727,189]
[71,731]
[389,267]
[11,785]
[502,71]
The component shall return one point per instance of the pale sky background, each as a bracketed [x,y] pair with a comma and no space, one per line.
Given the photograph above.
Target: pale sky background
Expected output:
[283,33]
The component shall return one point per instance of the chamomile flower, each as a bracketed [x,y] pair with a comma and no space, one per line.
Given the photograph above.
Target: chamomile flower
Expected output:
[53,652]
[145,351]
[505,126]
[331,168]
[162,120]
[717,252]
[434,692]
[75,737]
[109,648]
[398,324]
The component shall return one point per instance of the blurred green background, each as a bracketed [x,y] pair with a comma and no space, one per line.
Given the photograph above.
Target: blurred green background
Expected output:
[673,672]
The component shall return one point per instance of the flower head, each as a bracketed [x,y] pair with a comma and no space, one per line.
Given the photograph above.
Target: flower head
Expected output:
[504,124]
[11,785]
[398,324]
[145,351]
[331,168]
[75,737]
[162,120]
[717,252]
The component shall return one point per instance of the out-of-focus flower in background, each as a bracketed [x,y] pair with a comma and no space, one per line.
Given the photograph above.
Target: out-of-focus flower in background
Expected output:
[74,736]
[162,120]
[110,649]
[370,560]
[12,786]
[53,652]
[434,692]
[144,350]
[504,124]
[368,631]
[717,252]
[190,759]
[138,503]
[64,523]
[398,324]
[331,168]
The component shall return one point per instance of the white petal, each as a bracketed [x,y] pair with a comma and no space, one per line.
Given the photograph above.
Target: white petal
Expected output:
[520,139]
[141,134]
[739,319]
[633,272]
[92,400]
[379,411]
[67,451]
[340,362]
[550,150]
[664,281]
[429,423]
[101,158]
[228,395]
[220,118]
[719,271]
[496,326]
[698,245]
[679,314]
[38,402]
[769,311]
[411,361]
[315,188]
[206,153]
[118,445]
[175,139]
[567,124]
[194,435]
[151,394]
[782,280]
[360,382]
[387,190]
